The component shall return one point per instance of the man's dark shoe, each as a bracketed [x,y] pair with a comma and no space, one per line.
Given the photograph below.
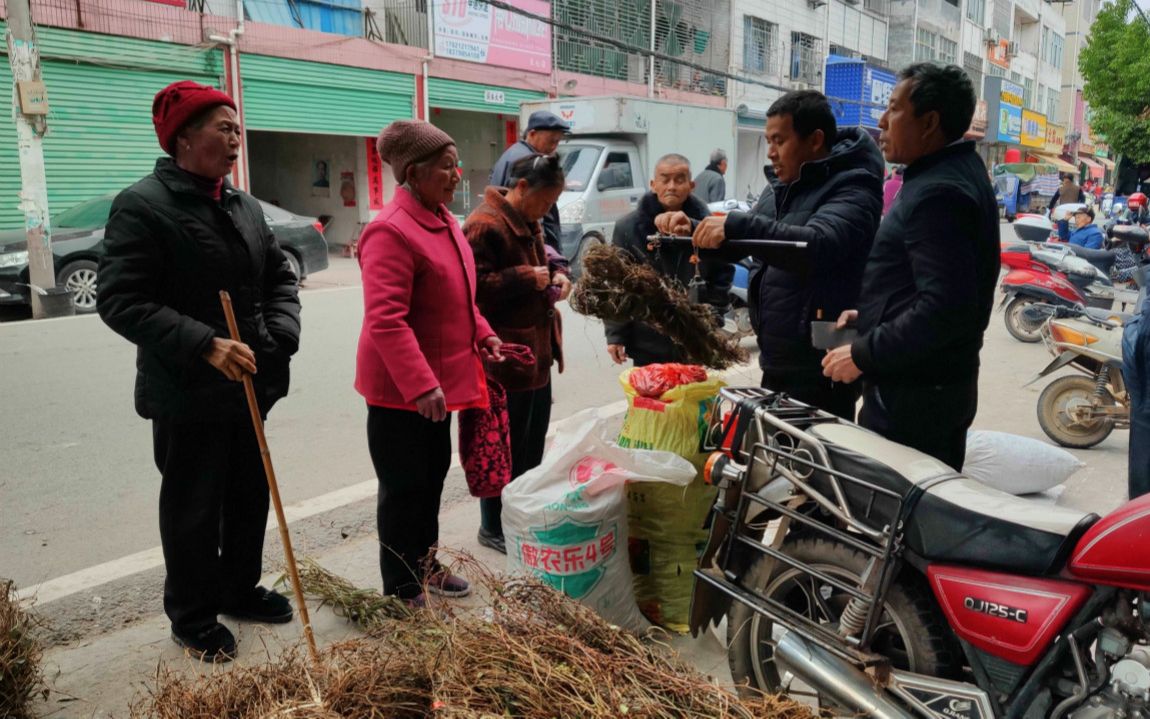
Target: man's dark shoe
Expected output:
[261,606]
[213,644]
[492,541]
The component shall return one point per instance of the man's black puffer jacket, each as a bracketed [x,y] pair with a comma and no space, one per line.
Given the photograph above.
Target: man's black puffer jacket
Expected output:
[835,206]
[169,249]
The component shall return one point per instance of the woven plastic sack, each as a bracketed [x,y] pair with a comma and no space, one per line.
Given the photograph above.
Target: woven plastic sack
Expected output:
[667,523]
[1016,465]
[566,520]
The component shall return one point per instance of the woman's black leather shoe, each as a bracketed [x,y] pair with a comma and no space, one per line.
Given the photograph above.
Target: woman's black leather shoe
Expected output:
[261,605]
[213,644]
[492,541]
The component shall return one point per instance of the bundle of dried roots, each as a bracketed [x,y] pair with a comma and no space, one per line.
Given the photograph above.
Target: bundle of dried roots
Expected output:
[615,286]
[21,680]
[530,653]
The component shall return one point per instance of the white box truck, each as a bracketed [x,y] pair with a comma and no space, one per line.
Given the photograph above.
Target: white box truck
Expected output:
[609,155]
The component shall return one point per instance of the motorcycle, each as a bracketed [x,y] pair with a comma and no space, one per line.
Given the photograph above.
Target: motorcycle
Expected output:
[882,583]
[1081,410]
[1048,274]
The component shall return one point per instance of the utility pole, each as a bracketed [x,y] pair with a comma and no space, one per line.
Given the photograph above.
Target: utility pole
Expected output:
[30,110]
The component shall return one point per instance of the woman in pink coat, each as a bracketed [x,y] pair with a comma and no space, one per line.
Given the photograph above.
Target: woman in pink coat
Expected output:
[420,353]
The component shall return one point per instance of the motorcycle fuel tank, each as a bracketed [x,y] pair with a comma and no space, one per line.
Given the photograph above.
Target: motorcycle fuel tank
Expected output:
[1014,618]
[1113,551]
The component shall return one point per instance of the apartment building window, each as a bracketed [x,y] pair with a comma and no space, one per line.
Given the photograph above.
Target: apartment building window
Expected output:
[972,63]
[976,11]
[806,58]
[1044,53]
[1040,101]
[993,70]
[1052,105]
[840,51]
[1056,43]
[1028,93]
[925,45]
[947,51]
[759,39]
[878,7]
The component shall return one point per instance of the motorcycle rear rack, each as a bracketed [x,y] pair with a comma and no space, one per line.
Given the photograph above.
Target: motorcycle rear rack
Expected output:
[852,526]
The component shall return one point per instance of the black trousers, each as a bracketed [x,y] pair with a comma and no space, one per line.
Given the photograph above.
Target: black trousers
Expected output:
[930,418]
[528,415]
[818,391]
[411,456]
[213,514]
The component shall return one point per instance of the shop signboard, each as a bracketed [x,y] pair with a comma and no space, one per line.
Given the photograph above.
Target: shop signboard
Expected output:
[977,130]
[858,92]
[997,54]
[1055,138]
[476,31]
[1033,129]
[1004,110]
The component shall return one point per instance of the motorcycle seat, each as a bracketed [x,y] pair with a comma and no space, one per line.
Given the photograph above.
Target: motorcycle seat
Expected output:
[1102,259]
[949,517]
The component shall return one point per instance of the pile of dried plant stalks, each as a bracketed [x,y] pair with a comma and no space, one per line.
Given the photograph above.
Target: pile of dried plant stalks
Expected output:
[531,653]
[20,678]
[615,286]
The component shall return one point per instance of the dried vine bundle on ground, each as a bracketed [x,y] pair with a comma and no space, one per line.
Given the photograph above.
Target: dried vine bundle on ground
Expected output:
[21,680]
[615,286]
[531,653]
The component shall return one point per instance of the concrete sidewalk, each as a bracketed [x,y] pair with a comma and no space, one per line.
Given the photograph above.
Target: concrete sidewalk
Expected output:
[101,677]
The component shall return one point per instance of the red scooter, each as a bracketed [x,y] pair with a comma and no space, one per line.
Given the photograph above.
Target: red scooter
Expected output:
[1048,274]
[882,583]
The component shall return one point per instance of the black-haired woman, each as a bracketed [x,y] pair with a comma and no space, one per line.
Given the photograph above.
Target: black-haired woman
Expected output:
[517,288]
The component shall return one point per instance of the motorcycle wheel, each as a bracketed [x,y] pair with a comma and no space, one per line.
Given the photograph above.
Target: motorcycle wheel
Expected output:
[1017,325]
[912,632]
[1054,404]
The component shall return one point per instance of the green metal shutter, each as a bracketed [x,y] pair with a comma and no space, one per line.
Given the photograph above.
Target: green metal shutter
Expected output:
[317,98]
[458,95]
[100,136]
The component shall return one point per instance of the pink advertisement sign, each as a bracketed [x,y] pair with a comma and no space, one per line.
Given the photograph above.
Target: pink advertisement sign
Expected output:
[477,32]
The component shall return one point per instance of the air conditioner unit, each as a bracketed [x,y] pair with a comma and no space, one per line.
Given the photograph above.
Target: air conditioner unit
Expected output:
[991,36]
[1012,49]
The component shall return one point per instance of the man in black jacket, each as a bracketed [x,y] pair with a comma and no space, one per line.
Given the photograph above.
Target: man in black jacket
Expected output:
[173,241]
[929,283]
[670,192]
[828,195]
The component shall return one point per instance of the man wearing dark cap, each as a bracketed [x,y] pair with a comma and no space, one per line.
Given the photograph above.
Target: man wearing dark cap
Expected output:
[173,241]
[1085,233]
[544,131]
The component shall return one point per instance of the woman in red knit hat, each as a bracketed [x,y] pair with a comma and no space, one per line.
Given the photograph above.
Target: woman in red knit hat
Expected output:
[173,241]
[420,353]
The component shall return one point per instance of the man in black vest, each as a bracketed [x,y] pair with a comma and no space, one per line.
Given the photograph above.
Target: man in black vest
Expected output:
[929,283]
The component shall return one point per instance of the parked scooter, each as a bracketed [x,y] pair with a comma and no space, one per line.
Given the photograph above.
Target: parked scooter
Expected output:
[1048,274]
[1081,410]
[885,584]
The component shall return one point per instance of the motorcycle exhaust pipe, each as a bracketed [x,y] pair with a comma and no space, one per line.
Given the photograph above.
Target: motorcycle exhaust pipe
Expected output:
[845,685]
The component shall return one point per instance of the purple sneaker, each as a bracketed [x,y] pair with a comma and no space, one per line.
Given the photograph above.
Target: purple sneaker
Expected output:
[445,584]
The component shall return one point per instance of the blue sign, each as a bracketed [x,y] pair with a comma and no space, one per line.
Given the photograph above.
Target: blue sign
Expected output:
[1009,123]
[858,92]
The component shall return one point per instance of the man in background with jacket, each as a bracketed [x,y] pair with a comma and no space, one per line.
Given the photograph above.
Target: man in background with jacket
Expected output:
[544,132]
[829,196]
[670,192]
[929,283]
[710,185]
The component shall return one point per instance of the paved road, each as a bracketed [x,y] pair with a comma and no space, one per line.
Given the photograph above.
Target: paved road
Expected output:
[78,488]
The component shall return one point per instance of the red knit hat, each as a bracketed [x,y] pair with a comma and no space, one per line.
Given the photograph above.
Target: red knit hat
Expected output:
[179,102]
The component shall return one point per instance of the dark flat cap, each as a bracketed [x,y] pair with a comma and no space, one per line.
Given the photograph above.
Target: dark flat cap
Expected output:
[543,120]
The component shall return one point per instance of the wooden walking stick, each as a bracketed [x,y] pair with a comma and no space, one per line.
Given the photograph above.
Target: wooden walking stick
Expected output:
[273,487]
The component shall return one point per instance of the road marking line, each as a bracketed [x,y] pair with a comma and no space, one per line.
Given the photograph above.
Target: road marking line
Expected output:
[148,559]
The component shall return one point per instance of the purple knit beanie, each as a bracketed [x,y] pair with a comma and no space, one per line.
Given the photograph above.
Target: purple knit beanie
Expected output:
[406,141]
